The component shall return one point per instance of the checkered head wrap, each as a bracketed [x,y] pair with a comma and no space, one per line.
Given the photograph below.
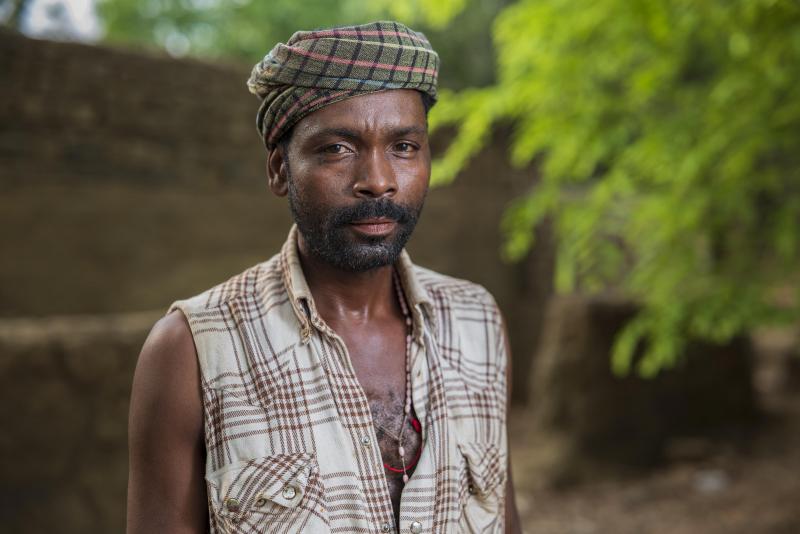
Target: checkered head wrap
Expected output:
[317,68]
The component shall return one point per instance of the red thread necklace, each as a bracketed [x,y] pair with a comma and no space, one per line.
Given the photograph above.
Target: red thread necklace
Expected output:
[415,424]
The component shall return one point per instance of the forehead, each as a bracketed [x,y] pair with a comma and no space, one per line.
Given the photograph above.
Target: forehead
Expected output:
[371,113]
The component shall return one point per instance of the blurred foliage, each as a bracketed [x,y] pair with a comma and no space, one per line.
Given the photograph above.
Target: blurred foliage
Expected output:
[246,29]
[667,137]
[11,12]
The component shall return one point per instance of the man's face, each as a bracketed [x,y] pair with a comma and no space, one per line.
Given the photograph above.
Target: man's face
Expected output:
[357,174]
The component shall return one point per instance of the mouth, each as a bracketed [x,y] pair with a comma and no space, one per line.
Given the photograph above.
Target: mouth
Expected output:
[374,226]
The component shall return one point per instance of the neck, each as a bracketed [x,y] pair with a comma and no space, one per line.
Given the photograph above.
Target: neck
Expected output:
[356,297]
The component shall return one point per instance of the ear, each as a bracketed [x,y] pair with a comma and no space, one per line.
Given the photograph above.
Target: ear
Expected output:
[277,171]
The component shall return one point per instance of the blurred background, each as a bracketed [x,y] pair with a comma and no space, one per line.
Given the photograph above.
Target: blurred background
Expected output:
[623,176]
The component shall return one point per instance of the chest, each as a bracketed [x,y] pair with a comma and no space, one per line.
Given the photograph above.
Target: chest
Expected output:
[278,402]
[378,357]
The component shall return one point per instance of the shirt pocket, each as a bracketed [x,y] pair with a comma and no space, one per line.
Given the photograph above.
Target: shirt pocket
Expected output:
[278,491]
[482,487]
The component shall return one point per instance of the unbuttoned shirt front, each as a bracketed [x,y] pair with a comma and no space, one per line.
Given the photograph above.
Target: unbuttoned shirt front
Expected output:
[290,442]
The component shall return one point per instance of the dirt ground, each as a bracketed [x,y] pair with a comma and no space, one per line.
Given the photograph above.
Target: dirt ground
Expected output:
[750,484]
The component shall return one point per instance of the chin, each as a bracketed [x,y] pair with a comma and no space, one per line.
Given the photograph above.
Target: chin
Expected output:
[359,253]
[362,258]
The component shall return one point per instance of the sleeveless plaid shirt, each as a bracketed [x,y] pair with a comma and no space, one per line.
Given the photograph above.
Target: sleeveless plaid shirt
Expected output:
[288,430]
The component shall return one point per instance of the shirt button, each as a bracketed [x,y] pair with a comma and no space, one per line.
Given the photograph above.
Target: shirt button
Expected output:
[471,489]
[365,440]
[289,493]
[261,501]
[386,527]
[232,505]
[416,527]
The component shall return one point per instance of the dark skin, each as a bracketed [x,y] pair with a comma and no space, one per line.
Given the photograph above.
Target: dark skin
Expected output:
[366,147]
[373,147]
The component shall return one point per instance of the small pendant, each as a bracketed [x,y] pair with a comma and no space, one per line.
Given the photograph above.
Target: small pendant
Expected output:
[417,425]
[402,451]
[405,478]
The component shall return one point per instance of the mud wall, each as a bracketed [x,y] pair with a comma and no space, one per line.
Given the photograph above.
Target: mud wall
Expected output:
[130,180]
[66,383]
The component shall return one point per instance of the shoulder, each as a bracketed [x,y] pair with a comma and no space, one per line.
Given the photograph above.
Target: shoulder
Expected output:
[167,366]
[463,307]
[448,290]
[170,334]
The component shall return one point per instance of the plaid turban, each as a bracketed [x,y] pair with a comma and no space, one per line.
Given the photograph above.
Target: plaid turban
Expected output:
[317,68]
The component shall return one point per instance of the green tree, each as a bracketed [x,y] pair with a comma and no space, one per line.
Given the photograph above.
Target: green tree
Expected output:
[667,137]
[245,29]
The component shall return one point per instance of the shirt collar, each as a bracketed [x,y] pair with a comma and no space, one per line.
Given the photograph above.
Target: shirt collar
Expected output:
[302,301]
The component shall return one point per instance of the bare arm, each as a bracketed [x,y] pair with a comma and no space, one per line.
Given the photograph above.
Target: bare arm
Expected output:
[512,515]
[166,487]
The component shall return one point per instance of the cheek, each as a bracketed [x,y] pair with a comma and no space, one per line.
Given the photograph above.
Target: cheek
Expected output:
[415,179]
[321,186]
[305,189]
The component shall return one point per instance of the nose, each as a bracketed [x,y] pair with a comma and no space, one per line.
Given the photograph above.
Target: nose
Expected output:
[375,177]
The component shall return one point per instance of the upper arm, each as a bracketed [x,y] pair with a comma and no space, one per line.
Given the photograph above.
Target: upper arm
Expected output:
[166,486]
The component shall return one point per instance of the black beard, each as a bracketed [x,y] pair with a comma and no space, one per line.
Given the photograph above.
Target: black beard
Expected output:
[329,238]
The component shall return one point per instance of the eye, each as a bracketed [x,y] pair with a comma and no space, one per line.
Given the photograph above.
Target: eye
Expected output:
[404,147]
[335,148]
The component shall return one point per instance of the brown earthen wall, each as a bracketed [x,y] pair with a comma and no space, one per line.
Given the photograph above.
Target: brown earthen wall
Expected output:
[129,180]
[65,385]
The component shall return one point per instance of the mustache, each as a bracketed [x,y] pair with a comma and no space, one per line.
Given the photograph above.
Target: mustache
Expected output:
[373,209]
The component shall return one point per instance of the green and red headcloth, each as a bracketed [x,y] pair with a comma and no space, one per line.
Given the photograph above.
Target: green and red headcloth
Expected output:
[317,68]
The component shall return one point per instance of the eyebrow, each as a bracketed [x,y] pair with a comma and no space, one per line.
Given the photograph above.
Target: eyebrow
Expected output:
[402,132]
[353,135]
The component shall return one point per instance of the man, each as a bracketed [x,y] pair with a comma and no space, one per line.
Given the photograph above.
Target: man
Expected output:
[336,387]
